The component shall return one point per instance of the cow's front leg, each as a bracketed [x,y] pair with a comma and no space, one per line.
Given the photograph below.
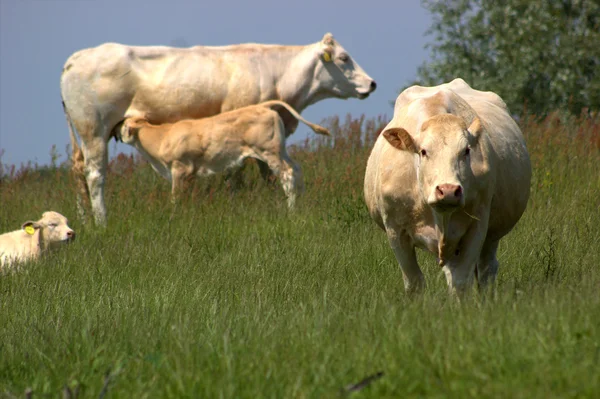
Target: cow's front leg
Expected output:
[405,255]
[487,266]
[459,268]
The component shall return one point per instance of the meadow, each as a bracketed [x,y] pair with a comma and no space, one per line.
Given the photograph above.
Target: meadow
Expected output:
[229,295]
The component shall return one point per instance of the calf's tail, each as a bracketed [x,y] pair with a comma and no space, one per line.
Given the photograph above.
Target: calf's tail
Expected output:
[316,128]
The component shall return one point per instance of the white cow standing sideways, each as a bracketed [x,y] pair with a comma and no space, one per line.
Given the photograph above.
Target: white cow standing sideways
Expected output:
[449,174]
[211,145]
[34,238]
[100,85]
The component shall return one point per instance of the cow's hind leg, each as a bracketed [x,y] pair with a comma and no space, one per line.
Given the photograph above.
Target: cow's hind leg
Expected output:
[95,153]
[78,175]
[487,265]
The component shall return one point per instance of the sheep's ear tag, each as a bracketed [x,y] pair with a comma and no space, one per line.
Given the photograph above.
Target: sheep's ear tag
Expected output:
[326,56]
[29,230]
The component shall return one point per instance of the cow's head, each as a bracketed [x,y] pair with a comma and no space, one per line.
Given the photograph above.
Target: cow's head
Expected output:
[339,73]
[130,129]
[52,228]
[447,151]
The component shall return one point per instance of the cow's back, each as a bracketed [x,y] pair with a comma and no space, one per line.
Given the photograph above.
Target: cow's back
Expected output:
[458,86]
[161,84]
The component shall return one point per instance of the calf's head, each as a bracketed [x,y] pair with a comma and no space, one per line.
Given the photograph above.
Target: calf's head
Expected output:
[52,228]
[339,73]
[445,149]
[130,129]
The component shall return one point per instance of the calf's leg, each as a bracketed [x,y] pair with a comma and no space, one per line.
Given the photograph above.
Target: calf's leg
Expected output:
[182,179]
[289,174]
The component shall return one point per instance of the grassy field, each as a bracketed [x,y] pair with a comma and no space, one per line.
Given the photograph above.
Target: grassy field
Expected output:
[232,296]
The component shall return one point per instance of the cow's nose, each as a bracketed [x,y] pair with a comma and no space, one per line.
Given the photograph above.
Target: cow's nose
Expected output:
[448,194]
[70,234]
[373,85]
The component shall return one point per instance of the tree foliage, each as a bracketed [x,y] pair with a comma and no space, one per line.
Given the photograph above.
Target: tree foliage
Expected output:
[537,55]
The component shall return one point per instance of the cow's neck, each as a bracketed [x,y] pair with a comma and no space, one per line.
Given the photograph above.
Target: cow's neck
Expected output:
[296,83]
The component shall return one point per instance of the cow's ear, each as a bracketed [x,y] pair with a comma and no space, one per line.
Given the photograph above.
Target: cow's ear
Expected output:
[30,227]
[328,39]
[475,128]
[327,53]
[400,139]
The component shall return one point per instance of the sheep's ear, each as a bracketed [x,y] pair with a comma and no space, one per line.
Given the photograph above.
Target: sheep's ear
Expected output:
[30,227]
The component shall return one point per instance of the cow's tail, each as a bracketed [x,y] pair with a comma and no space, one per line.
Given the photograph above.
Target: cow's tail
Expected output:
[77,163]
[316,128]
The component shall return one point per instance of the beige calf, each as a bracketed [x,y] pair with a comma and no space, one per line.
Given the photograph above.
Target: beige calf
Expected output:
[34,238]
[212,145]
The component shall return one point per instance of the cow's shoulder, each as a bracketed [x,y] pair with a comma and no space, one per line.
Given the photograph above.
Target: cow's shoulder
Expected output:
[460,87]
[416,106]
[456,93]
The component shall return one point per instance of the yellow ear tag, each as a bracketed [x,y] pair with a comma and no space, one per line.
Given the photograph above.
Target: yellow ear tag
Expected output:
[29,230]
[326,56]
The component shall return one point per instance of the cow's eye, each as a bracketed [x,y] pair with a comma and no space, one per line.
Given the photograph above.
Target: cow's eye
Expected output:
[423,153]
[467,151]
[344,57]
[53,225]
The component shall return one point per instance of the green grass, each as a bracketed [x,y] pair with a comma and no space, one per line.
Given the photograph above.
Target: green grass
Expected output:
[235,297]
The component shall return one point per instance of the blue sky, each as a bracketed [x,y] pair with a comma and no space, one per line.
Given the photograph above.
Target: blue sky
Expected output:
[37,36]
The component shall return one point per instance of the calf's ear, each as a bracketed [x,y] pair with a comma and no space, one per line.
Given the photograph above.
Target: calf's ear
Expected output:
[128,131]
[400,139]
[30,227]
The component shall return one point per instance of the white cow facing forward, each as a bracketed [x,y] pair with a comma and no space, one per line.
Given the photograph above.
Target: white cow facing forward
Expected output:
[449,174]
[178,151]
[101,85]
[34,238]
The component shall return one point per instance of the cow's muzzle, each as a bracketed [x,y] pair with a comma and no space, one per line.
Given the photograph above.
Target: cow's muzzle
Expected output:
[372,87]
[447,197]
